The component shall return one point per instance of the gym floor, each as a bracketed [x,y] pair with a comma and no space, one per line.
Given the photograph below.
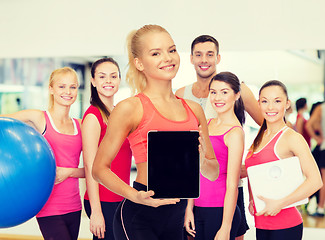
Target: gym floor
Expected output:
[314,227]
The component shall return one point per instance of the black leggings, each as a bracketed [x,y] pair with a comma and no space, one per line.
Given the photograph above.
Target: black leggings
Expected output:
[60,227]
[208,221]
[294,233]
[108,209]
[243,226]
[134,221]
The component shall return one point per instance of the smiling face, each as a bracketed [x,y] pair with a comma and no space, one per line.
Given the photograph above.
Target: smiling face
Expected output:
[273,103]
[222,97]
[159,59]
[64,89]
[106,79]
[205,59]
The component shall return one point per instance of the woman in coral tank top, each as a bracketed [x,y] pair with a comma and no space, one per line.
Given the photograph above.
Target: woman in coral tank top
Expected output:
[153,63]
[276,141]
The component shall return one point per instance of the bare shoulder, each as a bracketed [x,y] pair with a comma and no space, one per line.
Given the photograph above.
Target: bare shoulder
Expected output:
[30,115]
[318,111]
[293,138]
[130,105]
[236,131]
[180,92]
[33,117]
[127,113]
[35,112]
[194,106]
[197,110]
[235,135]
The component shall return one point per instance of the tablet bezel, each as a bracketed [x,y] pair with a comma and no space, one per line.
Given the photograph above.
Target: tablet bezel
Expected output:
[192,148]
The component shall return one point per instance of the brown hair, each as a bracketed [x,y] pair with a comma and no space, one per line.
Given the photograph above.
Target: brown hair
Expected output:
[94,97]
[233,81]
[258,138]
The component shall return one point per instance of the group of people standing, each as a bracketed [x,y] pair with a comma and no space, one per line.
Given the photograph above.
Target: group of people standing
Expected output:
[109,138]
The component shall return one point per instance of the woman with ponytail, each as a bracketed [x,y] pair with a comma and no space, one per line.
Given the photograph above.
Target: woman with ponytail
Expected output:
[153,63]
[276,141]
[215,215]
[100,203]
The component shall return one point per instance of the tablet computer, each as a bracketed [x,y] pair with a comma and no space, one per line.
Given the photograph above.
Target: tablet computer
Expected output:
[174,164]
[275,180]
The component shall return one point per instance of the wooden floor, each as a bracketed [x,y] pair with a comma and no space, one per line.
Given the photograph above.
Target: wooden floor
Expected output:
[314,225]
[313,222]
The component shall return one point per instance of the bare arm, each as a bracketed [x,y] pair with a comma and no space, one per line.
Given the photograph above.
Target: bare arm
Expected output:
[300,125]
[180,92]
[189,218]
[313,122]
[251,104]
[32,117]
[243,171]
[235,142]
[208,162]
[62,173]
[90,140]
[298,147]
[313,180]
[118,129]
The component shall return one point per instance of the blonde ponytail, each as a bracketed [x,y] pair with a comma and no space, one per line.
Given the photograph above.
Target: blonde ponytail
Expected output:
[135,78]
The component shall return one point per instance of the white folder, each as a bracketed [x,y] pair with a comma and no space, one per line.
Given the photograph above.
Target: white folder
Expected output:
[275,180]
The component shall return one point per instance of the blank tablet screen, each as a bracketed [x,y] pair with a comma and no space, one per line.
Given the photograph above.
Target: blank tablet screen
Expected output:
[174,164]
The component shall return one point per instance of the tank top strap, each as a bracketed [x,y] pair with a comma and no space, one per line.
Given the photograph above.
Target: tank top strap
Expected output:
[187,107]
[183,102]
[231,129]
[47,122]
[46,117]
[209,120]
[281,131]
[145,101]
[77,124]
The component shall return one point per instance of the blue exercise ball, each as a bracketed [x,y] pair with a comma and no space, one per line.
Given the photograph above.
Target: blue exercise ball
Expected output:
[27,172]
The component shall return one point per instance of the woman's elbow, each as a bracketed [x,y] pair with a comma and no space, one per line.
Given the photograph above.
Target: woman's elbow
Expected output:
[214,174]
[320,184]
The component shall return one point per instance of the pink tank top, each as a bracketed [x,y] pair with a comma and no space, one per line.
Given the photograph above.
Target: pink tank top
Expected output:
[153,120]
[65,196]
[286,218]
[121,165]
[212,193]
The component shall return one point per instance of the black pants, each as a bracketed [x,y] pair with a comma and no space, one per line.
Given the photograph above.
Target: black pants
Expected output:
[134,221]
[294,233]
[208,221]
[243,226]
[108,209]
[60,227]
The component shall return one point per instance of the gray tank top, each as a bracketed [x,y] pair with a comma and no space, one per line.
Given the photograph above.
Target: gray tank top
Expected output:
[189,95]
[205,104]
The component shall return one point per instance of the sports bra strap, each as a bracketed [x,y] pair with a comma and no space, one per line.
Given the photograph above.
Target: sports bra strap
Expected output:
[210,120]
